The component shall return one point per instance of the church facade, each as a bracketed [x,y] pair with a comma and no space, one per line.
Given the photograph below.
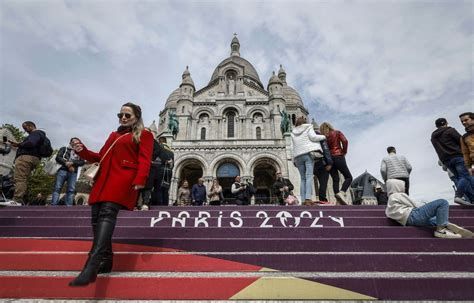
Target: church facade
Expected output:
[233,126]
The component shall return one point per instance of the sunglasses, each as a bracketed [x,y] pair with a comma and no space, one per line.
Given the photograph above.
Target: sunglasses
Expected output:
[127,115]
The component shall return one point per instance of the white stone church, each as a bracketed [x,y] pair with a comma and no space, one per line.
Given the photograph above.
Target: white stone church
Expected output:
[232,127]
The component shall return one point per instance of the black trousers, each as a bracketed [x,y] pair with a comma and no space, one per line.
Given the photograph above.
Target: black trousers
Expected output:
[340,165]
[323,176]
[407,184]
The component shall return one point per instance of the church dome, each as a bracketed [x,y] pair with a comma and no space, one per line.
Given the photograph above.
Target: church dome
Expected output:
[291,96]
[249,70]
[172,100]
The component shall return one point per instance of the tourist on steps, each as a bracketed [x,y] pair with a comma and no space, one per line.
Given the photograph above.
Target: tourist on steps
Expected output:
[338,145]
[410,213]
[124,165]
[306,148]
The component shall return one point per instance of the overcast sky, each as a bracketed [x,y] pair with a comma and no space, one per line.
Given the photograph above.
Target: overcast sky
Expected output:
[380,71]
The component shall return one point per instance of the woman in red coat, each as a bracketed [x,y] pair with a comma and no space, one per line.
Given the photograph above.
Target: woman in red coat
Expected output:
[338,144]
[123,172]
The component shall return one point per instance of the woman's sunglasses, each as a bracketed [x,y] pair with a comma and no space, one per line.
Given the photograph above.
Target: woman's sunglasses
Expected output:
[127,115]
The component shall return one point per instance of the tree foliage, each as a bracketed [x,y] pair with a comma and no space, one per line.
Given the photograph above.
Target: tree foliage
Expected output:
[19,134]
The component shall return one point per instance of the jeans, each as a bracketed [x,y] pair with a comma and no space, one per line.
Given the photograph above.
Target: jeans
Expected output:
[340,165]
[61,177]
[434,213]
[465,184]
[305,165]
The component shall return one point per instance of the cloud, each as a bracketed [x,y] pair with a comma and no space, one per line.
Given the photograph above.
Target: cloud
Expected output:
[371,68]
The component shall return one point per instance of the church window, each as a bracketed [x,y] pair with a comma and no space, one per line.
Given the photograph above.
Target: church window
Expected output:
[203,133]
[258,132]
[293,119]
[230,125]
[182,110]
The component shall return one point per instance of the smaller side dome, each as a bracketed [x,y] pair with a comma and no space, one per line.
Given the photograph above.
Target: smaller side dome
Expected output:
[274,80]
[172,101]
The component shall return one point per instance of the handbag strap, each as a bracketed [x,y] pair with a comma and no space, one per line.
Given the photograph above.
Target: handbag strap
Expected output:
[103,157]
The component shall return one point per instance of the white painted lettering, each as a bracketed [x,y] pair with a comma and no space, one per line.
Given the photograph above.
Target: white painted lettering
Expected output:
[236,215]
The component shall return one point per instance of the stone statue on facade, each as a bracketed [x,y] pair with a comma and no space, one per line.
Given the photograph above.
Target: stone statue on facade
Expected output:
[173,123]
[285,125]
[231,84]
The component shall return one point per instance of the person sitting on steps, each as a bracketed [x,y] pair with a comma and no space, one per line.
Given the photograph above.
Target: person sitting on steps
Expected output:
[410,213]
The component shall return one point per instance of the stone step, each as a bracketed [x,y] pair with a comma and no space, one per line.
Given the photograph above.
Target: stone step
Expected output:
[243,262]
[249,286]
[215,222]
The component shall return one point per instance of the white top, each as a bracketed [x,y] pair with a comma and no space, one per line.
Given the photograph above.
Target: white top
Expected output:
[305,140]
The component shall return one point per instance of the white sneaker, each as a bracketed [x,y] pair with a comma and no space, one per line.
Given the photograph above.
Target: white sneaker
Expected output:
[10,203]
[341,197]
[145,207]
[465,233]
[446,233]
[461,201]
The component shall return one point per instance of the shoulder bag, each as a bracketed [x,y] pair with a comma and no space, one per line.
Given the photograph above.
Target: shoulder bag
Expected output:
[91,172]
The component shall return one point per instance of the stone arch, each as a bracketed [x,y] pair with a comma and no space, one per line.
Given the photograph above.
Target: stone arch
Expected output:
[228,107]
[228,156]
[259,109]
[201,111]
[254,161]
[187,159]
[263,170]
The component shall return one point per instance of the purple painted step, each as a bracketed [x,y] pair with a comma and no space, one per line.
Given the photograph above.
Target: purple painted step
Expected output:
[275,233]
[350,262]
[216,212]
[459,289]
[308,245]
[168,222]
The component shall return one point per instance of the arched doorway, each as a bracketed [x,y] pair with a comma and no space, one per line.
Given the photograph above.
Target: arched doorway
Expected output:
[264,177]
[190,172]
[226,174]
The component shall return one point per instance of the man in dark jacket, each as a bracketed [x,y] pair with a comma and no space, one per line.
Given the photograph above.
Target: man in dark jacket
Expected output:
[446,142]
[198,193]
[70,162]
[282,188]
[27,158]
[164,163]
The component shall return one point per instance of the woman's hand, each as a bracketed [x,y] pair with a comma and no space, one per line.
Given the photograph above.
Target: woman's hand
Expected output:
[138,187]
[78,147]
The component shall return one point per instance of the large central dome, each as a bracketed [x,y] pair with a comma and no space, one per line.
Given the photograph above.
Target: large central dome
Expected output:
[248,69]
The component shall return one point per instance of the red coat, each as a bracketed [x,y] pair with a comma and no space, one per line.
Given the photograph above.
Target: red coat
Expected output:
[126,165]
[337,143]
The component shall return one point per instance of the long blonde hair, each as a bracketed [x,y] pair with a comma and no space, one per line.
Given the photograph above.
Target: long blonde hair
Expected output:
[138,126]
[325,128]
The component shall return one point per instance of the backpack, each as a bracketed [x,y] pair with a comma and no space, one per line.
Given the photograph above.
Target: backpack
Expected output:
[45,149]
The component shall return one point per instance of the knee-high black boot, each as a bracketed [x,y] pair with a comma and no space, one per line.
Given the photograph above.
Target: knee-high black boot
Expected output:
[106,263]
[102,237]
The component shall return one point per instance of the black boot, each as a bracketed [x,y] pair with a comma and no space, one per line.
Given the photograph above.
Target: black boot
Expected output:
[107,262]
[105,229]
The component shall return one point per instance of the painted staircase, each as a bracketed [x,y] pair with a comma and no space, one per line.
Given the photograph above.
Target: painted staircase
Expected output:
[237,253]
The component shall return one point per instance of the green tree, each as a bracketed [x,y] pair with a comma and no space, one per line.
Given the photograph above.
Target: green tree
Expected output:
[16,132]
